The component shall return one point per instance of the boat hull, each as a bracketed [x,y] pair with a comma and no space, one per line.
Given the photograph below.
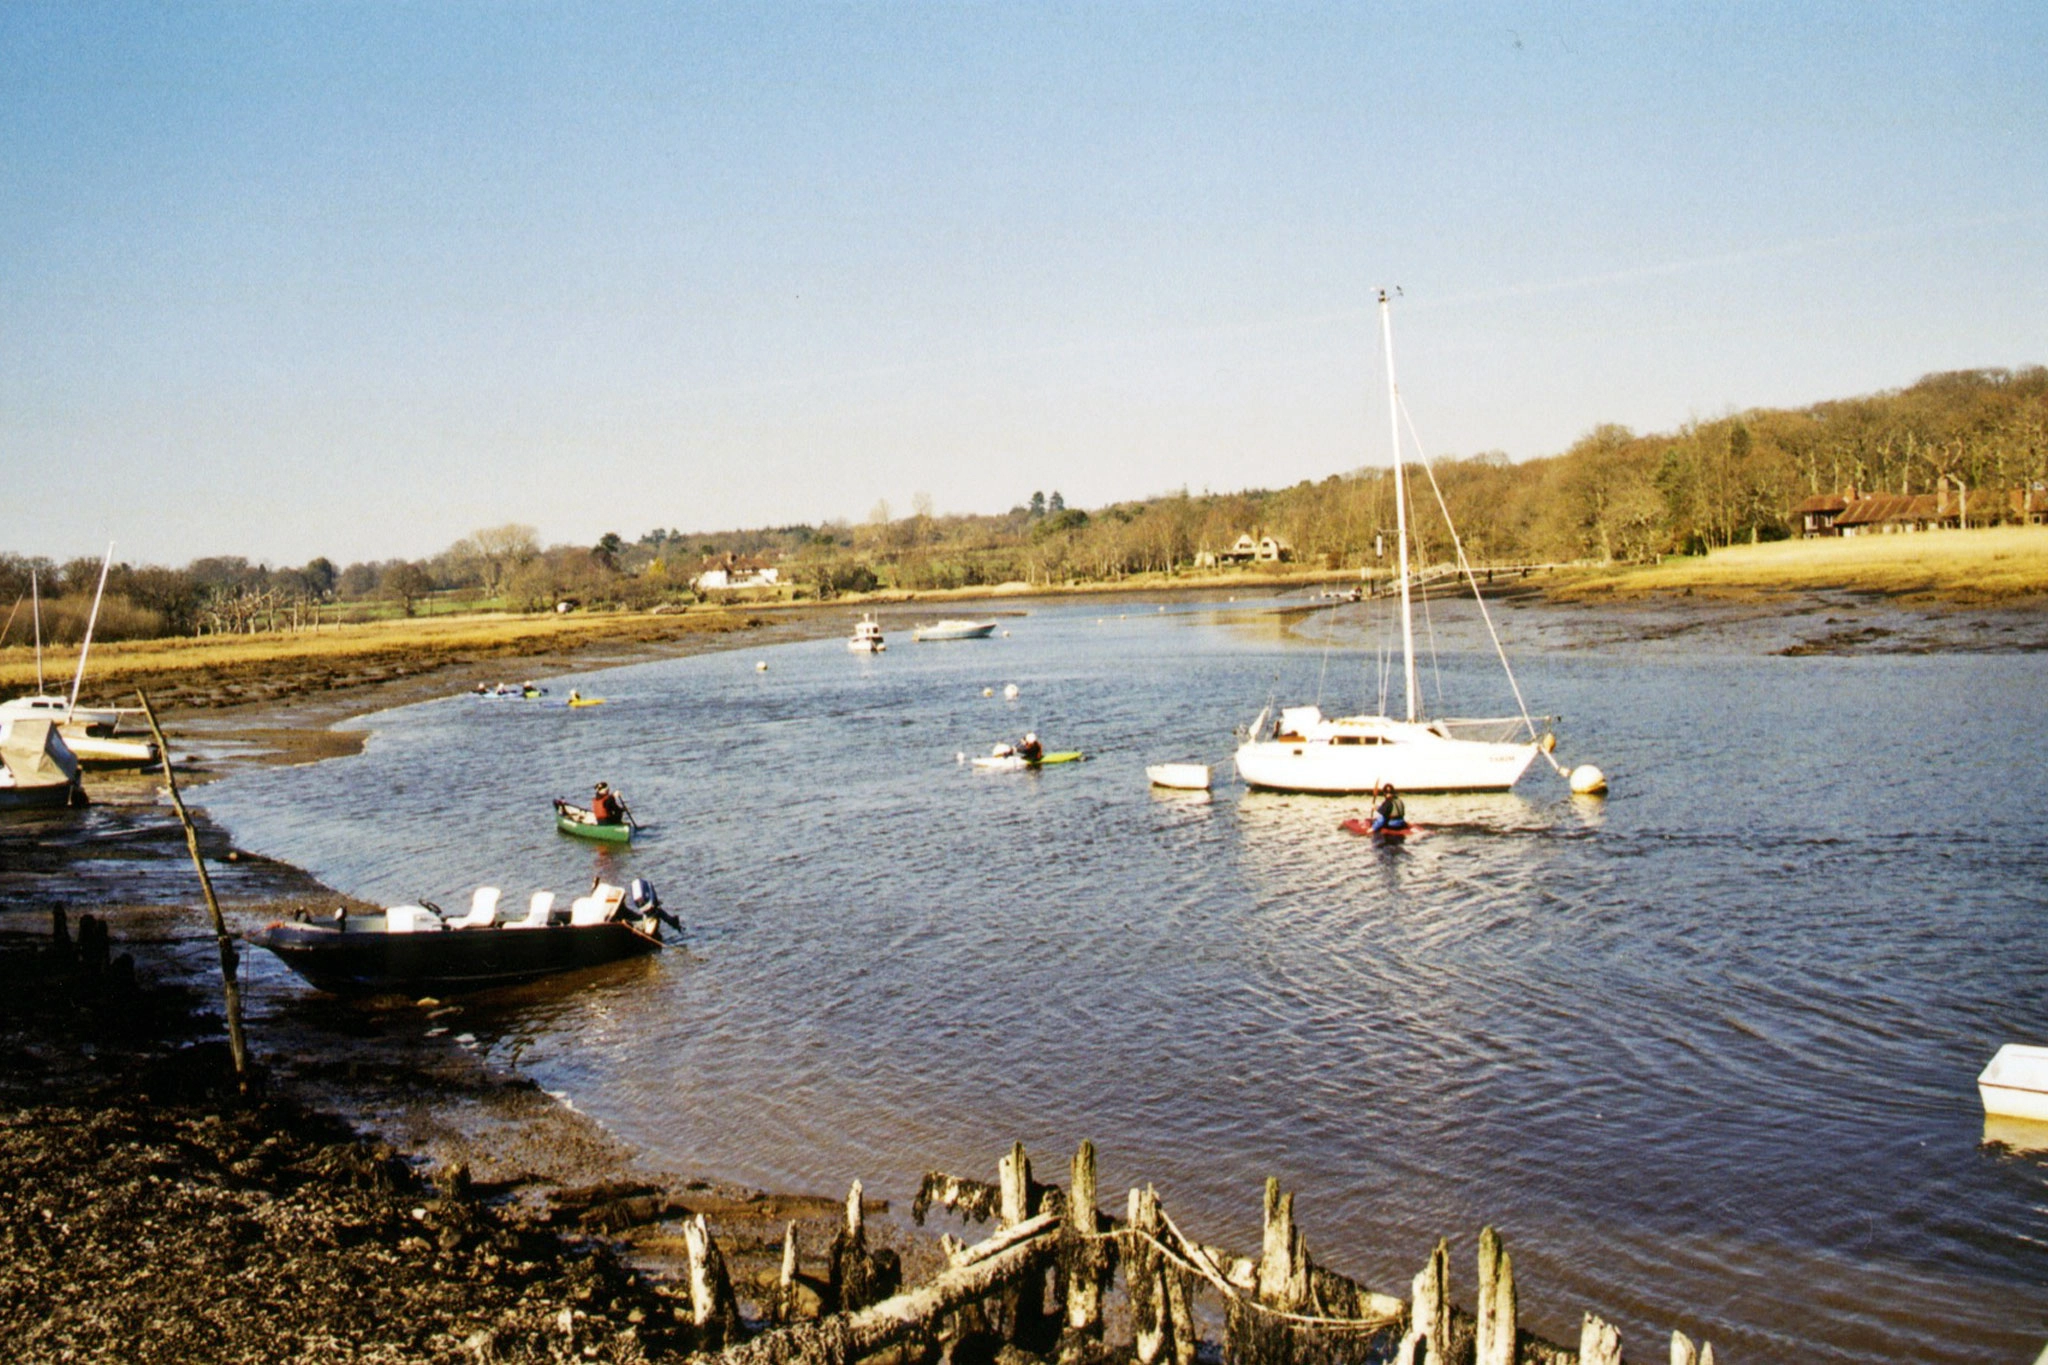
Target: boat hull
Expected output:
[1010,763]
[596,833]
[955,630]
[2015,1084]
[1322,768]
[370,961]
[1190,777]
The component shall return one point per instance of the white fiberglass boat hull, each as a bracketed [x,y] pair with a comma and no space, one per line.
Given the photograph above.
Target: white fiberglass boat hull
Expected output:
[1191,777]
[955,630]
[2015,1085]
[1359,753]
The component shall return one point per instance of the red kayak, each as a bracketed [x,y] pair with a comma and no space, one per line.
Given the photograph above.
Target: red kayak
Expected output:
[1391,833]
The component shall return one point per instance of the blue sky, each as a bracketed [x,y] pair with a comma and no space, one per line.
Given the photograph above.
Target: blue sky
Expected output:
[355,279]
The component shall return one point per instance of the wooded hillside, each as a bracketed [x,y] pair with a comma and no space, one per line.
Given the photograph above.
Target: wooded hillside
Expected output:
[1613,496]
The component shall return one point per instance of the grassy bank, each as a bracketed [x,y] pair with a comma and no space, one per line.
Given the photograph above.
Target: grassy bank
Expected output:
[227,669]
[2000,564]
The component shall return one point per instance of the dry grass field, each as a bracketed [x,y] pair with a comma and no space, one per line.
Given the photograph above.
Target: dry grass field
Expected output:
[1999,564]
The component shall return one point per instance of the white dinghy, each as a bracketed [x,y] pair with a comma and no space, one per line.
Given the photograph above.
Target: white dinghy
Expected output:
[2015,1085]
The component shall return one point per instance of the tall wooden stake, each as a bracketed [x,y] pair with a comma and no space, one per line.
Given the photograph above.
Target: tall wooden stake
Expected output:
[230,990]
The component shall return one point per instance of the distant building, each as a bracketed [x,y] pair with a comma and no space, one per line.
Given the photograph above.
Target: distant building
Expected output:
[2030,505]
[1855,514]
[1251,549]
[735,571]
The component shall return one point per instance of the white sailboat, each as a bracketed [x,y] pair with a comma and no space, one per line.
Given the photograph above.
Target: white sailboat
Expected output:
[1306,751]
[88,732]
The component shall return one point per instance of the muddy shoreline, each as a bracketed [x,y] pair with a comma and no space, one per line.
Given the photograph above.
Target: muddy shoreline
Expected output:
[383,1191]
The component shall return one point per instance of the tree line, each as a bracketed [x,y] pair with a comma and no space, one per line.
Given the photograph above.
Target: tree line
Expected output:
[1614,495]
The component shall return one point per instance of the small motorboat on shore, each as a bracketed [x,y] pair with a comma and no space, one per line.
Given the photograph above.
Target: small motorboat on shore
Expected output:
[412,948]
[954,630]
[867,637]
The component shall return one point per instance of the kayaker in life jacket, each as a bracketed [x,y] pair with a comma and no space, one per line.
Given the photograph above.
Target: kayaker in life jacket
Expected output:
[1389,812]
[1031,751]
[605,806]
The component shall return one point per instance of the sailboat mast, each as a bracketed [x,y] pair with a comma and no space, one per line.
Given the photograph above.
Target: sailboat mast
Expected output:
[1400,503]
[36,610]
[78,679]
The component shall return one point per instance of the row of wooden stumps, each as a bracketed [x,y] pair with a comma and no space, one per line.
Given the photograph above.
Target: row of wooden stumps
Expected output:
[1041,1283]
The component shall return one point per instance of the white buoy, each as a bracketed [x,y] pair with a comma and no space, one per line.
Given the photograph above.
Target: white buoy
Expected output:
[761,667]
[1588,780]
[988,691]
[1006,635]
[1010,692]
[960,757]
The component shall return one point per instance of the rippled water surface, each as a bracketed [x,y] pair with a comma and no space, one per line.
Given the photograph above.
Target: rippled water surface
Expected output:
[1704,1052]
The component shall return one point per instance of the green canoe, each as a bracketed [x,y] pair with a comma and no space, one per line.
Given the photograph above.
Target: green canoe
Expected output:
[575,820]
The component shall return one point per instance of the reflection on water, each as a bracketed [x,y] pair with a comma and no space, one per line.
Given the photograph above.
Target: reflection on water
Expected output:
[1705,1052]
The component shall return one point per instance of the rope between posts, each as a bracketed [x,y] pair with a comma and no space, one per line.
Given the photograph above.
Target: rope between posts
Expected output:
[1198,1264]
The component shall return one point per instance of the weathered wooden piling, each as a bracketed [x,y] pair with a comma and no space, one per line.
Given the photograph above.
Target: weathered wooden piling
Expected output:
[1495,1333]
[713,1308]
[1599,1343]
[1086,1265]
[1281,1308]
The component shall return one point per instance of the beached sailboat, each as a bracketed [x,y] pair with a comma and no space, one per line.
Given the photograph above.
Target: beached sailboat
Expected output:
[1306,751]
[88,732]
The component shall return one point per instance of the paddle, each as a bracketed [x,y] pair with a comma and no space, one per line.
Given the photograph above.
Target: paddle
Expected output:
[627,811]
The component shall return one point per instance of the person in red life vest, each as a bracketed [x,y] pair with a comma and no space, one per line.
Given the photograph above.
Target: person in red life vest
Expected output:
[605,806]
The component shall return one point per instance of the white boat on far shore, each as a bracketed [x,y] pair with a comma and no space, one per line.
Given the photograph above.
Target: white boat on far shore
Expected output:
[954,630]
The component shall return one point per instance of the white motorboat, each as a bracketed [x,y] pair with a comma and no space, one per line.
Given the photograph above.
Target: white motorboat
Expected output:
[1305,751]
[1189,777]
[954,630]
[867,637]
[2015,1085]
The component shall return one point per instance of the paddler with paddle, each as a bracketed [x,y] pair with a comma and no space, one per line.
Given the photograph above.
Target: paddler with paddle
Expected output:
[607,807]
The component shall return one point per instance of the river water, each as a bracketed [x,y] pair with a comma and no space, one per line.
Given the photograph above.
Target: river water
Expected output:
[1704,1052]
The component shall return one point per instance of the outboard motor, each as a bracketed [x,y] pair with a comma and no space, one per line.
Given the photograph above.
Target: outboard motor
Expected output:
[644,902]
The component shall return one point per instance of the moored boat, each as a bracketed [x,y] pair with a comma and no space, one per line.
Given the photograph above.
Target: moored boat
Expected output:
[1306,751]
[411,948]
[954,630]
[867,637]
[1190,777]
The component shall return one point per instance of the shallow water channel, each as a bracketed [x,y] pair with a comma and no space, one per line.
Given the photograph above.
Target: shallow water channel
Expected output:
[1704,1052]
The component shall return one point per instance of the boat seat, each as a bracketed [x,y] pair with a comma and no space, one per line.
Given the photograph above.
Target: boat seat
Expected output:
[483,910]
[537,912]
[411,919]
[598,906]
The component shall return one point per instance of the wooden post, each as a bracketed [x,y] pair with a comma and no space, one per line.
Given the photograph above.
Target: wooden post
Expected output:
[713,1308]
[1013,1174]
[1151,1318]
[1024,1303]
[1599,1343]
[230,988]
[1682,1352]
[1084,1261]
[1429,1323]
[1496,1328]
[785,1289]
[851,1276]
